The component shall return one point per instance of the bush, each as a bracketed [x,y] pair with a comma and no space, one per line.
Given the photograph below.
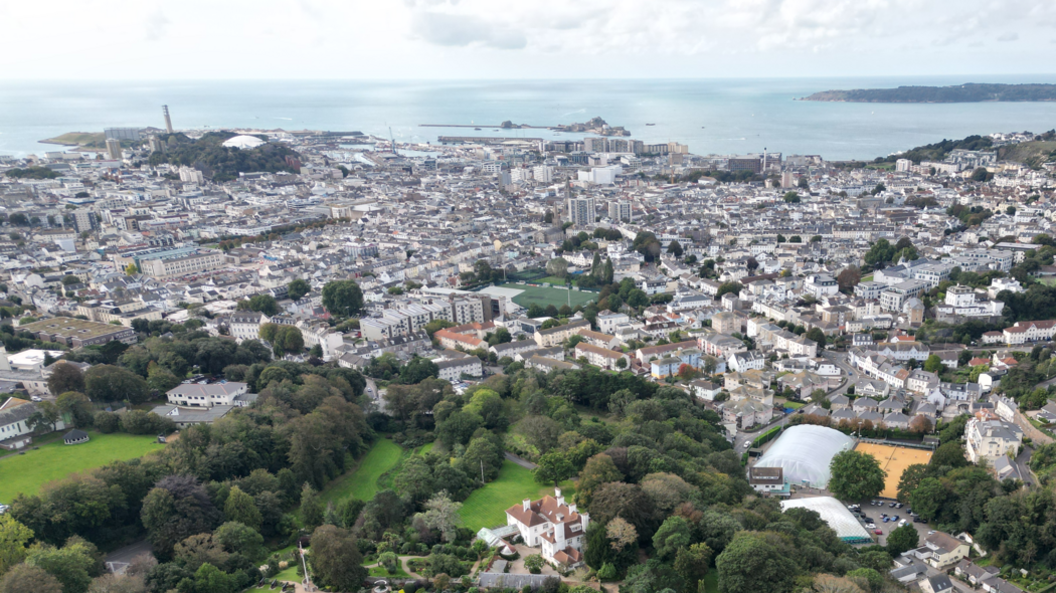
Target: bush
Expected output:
[107,422]
[534,563]
[140,422]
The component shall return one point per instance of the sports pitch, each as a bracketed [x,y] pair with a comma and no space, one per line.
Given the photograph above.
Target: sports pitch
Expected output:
[894,460]
[549,296]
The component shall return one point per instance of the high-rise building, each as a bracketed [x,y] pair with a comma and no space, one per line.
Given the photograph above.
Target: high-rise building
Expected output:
[903,165]
[676,148]
[543,174]
[84,220]
[168,121]
[581,211]
[156,145]
[191,175]
[787,179]
[113,148]
[620,210]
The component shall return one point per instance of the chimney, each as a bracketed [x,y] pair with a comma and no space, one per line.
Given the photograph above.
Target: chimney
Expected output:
[585,519]
[526,503]
[557,495]
[572,508]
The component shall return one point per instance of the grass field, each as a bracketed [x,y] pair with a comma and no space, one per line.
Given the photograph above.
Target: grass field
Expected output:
[362,481]
[486,507]
[894,461]
[551,296]
[711,582]
[55,460]
[551,280]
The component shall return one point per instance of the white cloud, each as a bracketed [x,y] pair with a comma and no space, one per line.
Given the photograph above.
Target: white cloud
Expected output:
[534,39]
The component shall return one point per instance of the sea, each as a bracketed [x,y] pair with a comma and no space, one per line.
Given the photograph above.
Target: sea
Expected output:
[711,116]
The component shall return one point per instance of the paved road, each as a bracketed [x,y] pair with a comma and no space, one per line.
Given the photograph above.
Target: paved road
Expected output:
[1021,462]
[744,437]
[375,394]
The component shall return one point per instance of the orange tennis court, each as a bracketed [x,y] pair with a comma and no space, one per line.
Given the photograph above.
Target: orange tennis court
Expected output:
[894,460]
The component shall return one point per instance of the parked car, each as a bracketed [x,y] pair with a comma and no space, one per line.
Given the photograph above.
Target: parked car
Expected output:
[878,532]
[37,398]
[898,506]
[932,532]
[918,520]
[902,522]
[870,525]
[885,519]
[895,518]
[3,508]
[893,505]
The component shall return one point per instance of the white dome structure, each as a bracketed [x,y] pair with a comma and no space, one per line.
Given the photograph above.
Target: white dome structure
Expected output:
[243,142]
[805,452]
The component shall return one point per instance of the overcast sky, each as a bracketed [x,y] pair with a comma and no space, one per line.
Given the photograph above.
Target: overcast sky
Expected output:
[482,39]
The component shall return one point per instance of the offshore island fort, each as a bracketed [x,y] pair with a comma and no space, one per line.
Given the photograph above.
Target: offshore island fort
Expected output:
[595,125]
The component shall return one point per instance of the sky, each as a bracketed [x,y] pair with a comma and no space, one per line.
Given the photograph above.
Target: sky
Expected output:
[527,39]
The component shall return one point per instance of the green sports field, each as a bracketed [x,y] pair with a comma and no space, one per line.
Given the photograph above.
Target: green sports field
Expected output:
[550,296]
[27,473]
[486,507]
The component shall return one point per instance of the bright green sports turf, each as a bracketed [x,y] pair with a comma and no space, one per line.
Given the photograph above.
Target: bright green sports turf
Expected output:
[362,482]
[55,460]
[550,296]
[486,507]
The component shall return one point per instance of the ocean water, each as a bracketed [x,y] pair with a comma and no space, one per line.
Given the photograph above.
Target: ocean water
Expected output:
[711,116]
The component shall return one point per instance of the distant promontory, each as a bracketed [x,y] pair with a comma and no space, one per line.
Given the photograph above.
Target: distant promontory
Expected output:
[963,93]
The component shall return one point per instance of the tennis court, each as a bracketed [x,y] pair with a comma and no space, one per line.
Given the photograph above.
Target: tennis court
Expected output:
[894,460]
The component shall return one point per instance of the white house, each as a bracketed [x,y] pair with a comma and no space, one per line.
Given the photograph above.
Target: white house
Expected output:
[554,525]
[15,432]
[991,439]
[195,395]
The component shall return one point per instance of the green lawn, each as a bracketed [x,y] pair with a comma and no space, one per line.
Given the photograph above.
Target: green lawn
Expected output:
[552,280]
[711,582]
[426,448]
[55,460]
[290,574]
[486,507]
[551,296]
[362,481]
[378,571]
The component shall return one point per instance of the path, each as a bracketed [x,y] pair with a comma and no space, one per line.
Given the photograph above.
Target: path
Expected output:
[519,461]
[119,559]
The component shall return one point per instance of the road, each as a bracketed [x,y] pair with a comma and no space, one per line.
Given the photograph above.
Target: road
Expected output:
[375,394]
[743,437]
[1021,463]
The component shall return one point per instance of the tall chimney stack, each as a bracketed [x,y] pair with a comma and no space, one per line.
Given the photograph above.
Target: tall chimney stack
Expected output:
[168,121]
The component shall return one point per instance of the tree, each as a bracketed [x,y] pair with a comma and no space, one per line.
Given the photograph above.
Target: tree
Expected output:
[107,383]
[795,239]
[552,468]
[297,289]
[242,508]
[160,379]
[442,515]
[237,538]
[927,498]
[817,335]
[598,470]
[751,563]
[910,479]
[620,533]
[692,564]
[23,578]
[903,539]
[534,563]
[673,535]
[210,579]
[933,364]
[675,248]
[14,537]
[557,267]
[734,287]
[72,564]
[65,377]
[311,508]
[855,476]
[791,197]
[848,278]
[175,509]
[263,303]
[950,454]
[336,560]
[343,298]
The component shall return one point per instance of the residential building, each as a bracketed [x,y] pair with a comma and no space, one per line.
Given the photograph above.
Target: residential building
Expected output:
[554,525]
